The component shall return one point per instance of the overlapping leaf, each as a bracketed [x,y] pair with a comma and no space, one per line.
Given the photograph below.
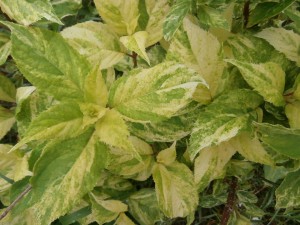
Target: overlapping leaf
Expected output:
[7,120]
[5,47]
[157,93]
[7,89]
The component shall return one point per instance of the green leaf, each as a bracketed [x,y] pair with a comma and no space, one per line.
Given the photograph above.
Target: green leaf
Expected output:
[105,211]
[27,12]
[50,63]
[112,130]
[199,50]
[266,10]
[175,17]
[282,140]
[7,120]
[66,7]
[268,79]
[292,111]
[211,164]
[96,41]
[252,149]
[223,119]
[157,11]
[121,16]
[212,17]
[286,41]
[157,93]
[7,89]
[129,167]
[175,189]
[74,171]
[143,206]
[5,47]
[168,130]
[91,113]
[95,90]
[294,14]
[288,193]
[59,121]
[137,44]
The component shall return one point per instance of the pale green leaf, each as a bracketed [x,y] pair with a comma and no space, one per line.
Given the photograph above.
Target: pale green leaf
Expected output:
[175,17]
[292,111]
[95,90]
[7,120]
[27,12]
[121,16]
[105,211]
[266,10]
[167,156]
[252,149]
[91,113]
[223,119]
[137,44]
[157,93]
[96,41]
[157,11]
[268,79]
[60,121]
[212,17]
[143,206]
[5,50]
[281,139]
[288,193]
[123,220]
[73,171]
[211,163]
[128,166]
[294,14]
[175,189]
[7,89]
[112,130]
[65,8]
[199,50]
[24,92]
[50,63]
[285,41]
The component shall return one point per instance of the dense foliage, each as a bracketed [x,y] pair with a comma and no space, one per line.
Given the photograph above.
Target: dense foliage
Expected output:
[149,112]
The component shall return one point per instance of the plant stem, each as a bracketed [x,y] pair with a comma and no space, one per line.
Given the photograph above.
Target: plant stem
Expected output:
[231,198]
[246,13]
[13,204]
[134,58]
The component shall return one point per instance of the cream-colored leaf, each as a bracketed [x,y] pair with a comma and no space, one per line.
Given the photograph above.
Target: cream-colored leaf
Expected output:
[123,220]
[167,156]
[121,16]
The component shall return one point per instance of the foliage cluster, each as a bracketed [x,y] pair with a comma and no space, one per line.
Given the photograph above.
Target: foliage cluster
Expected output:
[149,112]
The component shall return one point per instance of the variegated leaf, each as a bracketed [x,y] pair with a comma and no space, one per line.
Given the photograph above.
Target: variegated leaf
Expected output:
[5,47]
[7,120]
[285,41]
[57,186]
[292,111]
[60,121]
[167,156]
[112,130]
[175,17]
[123,220]
[252,149]
[96,41]
[212,17]
[288,193]
[211,163]
[157,93]
[223,119]
[175,189]
[105,211]
[268,79]
[199,50]
[7,89]
[137,43]
[129,167]
[121,16]
[27,12]
[48,62]
[157,11]
[143,206]
[65,8]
